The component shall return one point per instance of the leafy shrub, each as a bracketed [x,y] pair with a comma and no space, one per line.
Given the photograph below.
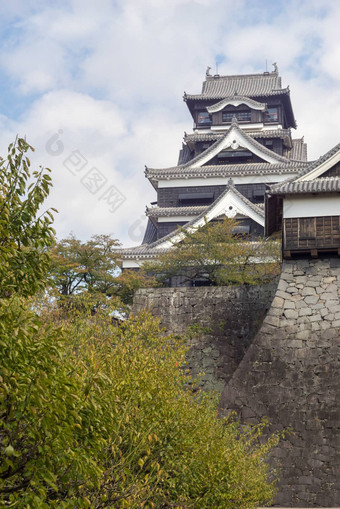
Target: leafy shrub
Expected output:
[98,416]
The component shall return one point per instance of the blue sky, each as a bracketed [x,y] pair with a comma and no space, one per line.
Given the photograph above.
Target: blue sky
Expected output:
[104,82]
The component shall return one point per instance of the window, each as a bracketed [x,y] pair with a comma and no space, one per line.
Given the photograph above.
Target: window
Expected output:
[271,115]
[241,229]
[195,199]
[242,116]
[203,118]
[258,195]
[234,157]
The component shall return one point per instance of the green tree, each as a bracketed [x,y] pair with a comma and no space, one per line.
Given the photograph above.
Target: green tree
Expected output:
[213,253]
[91,269]
[24,234]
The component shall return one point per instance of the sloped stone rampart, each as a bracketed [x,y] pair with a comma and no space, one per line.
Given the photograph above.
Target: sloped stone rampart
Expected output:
[226,320]
[291,375]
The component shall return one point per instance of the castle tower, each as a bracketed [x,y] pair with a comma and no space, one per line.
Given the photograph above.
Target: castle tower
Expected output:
[241,143]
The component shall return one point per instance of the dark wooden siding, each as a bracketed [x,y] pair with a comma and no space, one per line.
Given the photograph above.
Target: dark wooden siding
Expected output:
[274,144]
[311,233]
[273,209]
[165,228]
[255,229]
[169,196]
[332,172]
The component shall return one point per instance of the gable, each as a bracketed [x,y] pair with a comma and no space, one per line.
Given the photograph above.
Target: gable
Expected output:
[230,204]
[332,172]
[326,166]
[235,139]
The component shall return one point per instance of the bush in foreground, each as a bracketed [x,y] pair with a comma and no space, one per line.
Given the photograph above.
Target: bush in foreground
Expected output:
[98,416]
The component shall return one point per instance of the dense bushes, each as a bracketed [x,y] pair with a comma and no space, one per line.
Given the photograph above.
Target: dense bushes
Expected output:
[98,416]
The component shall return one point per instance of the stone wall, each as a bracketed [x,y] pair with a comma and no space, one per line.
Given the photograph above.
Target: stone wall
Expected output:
[290,374]
[223,321]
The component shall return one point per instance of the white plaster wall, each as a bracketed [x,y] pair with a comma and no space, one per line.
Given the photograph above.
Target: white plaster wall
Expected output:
[311,206]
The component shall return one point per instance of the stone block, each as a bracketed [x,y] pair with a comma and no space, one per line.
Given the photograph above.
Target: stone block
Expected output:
[301,279]
[305,311]
[300,304]
[334,308]
[316,318]
[312,283]
[288,304]
[291,313]
[329,279]
[308,291]
[295,343]
[277,302]
[292,289]
[272,320]
[330,296]
[282,285]
[311,299]
[304,334]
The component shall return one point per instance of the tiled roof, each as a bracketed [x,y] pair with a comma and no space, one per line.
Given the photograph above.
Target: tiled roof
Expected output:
[319,161]
[175,211]
[152,250]
[281,188]
[275,133]
[230,170]
[248,85]
[299,150]
[319,185]
[197,97]
[150,234]
[184,155]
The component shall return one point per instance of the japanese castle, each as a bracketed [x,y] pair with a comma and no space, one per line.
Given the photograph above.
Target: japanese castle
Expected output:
[241,161]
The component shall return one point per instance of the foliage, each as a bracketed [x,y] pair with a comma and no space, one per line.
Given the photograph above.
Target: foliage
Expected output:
[214,253]
[98,416]
[92,267]
[130,280]
[24,237]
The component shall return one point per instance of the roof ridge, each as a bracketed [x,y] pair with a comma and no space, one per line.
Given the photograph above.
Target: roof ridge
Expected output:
[251,75]
[292,186]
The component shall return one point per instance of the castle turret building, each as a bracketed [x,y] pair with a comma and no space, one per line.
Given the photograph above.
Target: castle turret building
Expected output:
[240,145]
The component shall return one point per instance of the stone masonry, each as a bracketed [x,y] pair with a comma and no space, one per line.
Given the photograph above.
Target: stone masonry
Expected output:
[222,323]
[290,374]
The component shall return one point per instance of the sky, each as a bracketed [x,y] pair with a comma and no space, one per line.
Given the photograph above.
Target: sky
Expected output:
[97,88]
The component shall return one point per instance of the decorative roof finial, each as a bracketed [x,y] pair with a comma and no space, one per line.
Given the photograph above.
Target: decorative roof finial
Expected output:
[234,120]
[276,70]
[230,182]
[207,72]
